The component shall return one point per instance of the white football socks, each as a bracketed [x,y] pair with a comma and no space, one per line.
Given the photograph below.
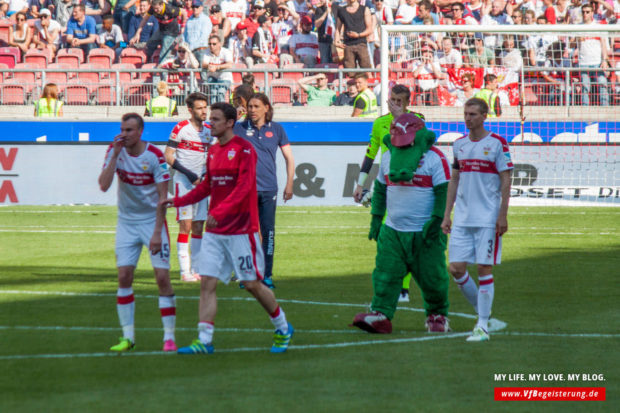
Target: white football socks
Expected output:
[485,300]
[167,308]
[205,332]
[126,307]
[469,289]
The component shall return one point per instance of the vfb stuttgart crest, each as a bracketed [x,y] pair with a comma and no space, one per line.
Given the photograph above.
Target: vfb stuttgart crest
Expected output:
[231,154]
[486,150]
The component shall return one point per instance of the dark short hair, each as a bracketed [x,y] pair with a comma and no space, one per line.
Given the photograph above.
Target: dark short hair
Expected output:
[490,77]
[157,2]
[426,3]
[401,90]
[215,36]
[193,97]
[482,105]
[248,79]
[107,17]
[133,115]
[244,92]
[229,111]
[362,75]
[80,6]
[265,101]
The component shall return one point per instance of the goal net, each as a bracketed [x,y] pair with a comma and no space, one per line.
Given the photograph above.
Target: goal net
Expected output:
[553,91]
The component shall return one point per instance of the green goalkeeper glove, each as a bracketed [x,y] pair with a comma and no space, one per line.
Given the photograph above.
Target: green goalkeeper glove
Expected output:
[375,227]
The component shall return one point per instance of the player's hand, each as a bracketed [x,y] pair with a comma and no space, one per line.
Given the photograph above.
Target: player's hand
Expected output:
[119,142]
[375,227]
[288,193]
[446,225]
[501,226]
[395,110]
[211,222]
[366,198]
[155,244]
[357,194]
[165,203]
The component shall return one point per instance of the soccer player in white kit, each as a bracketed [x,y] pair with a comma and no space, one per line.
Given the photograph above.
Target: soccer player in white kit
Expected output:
[143,177]
[480,185]
[186,152]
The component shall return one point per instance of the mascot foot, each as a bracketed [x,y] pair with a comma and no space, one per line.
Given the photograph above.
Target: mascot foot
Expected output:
[375,322]
[436,323]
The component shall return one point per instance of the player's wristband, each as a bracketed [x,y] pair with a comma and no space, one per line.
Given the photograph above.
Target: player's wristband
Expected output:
[189,174]
[361,180]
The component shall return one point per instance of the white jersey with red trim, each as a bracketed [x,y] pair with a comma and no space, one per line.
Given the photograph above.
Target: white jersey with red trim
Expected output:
[305,44]
[235,11]
[410,204]
[479,164]
[191,150]
[138,177]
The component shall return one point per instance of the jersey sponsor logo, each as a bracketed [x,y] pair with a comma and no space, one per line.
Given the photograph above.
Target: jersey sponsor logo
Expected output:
[477,165]
[192,146]
[231,154]
[135,178]
[419,181]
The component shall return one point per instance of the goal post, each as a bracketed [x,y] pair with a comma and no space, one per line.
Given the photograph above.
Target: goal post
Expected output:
[562,118]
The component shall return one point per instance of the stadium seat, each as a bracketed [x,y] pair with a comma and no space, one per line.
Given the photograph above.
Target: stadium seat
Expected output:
[137,93]
[76,94]
[147,76]
[13,93]
[124,77]
[3,67]
[10,56]
[238,75]
[282,91]
[268,66]
[294,76]
[27,79]
[57,77]
[106,94]
[103,57]
[73,56]
[133,56]
[4,33]
[40,58]
[91,78]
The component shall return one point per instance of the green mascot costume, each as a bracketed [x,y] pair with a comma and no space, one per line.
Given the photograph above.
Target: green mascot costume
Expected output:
[412,187]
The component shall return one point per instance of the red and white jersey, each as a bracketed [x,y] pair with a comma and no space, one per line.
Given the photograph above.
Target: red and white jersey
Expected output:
[191,149]
[138,177]
[235,11]
[410,204]
[305,44]
[479,164]
[426,77]
[231,182]
[591,50]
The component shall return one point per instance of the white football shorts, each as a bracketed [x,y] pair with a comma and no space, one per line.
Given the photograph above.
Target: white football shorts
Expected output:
[222,254]
[195,212]
[131,236]
[475,245]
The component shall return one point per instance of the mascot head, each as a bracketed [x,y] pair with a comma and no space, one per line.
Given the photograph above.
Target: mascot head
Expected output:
[408,141]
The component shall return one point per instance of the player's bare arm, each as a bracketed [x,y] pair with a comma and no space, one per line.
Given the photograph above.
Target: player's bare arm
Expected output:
[107,175]
[446,224]
[502,218]
[155,244]
[290,171]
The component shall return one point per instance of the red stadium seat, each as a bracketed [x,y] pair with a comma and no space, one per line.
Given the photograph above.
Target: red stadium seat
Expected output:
[103,57]
[10,56]
[125,77]
[27,79]
[4,33]
[2,74]
[282,91]
[137,93]
[238,75]
[268,66]
[13,93]
[76,94]
[92,78]
[106,94]
[41,58]
[294,76]
[330,76]
[57,77]
[73,56]
[133,56]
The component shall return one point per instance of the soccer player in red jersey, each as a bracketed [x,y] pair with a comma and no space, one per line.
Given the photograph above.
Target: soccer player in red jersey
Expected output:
[142,182]
[480,186]
[231,241]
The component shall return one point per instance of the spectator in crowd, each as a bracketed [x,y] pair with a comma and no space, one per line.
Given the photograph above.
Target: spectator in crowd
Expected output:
[35,6]
[161,106]
[216,60]
[197,31]
[449,57]
[150,27]
[282,30]
[234,10]
[353,27]
[167,18]
[48,105]
[529,17]
[468,91]
[424,12]
[220,24]
[262,42]
[178,82]
[298,8]
[510,57]
[459,17]
[271,8]
[561,11]
[553,89]
[241,97]
[489,94]
[592,53]
[427,75]
[17,6]
[475,9]
[537,45]
[110,36]
[249,80]
[251,22]
[347,97]
[304,45]
[574,12]
[517,16]
[319,95]
[47,32]
[493,13]
[20,34]
[549,11]
[123,10]
[604,11]
[240,45]
[407,11]
[383,12]
[324,24]
[97,9]
[479,55]
[365,103]
[81,30]
[4,8]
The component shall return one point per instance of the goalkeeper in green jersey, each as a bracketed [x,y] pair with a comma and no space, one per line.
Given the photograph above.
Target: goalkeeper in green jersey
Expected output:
[397,103]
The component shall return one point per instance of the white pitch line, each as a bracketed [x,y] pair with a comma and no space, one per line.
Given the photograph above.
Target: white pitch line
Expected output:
[219,330]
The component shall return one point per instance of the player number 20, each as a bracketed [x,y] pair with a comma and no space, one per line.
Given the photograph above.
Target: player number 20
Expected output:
[245,263]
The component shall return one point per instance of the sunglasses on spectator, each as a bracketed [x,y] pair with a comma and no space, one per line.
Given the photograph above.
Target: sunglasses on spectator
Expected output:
[456,9]
[378,1]
[196,7]
[213,44]
[516,16]
[586,11]
[258,8]
[181,51]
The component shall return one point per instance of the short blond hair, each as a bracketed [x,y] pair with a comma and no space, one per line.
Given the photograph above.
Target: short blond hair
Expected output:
[162,88]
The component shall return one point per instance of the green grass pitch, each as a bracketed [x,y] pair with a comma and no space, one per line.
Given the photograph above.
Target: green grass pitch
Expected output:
[557,290]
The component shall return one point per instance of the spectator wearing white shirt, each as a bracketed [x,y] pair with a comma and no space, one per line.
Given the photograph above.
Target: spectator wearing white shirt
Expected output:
[16,6]
[304,46]
[427,75]
[110,36]
[47,32]
[593,53]
[216,60]
[449,56]
[406,12]
[240,45]
[235,11]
